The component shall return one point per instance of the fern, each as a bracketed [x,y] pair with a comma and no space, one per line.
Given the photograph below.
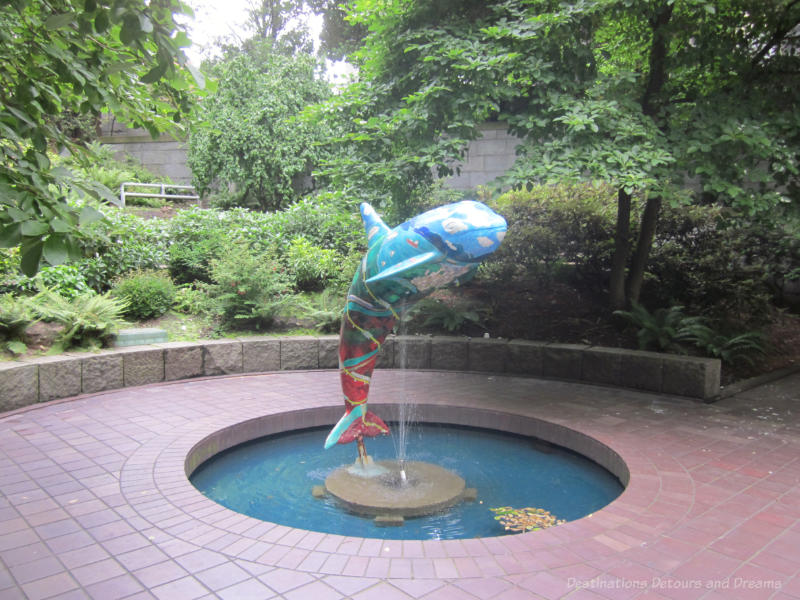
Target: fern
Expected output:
[15,317]
[89,320]
[666,329]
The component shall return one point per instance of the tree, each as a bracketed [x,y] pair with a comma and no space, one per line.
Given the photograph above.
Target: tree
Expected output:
[246,136]
[78,59]
[673,100]
[280,20]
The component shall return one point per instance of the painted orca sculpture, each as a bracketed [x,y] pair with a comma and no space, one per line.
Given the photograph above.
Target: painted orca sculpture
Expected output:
[401,266]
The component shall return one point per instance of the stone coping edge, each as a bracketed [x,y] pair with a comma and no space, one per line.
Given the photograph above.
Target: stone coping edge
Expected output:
[41,379]
[553,433]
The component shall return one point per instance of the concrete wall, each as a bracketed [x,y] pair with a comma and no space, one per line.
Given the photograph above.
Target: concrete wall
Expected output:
[29,381]
[487,158]
[164,156]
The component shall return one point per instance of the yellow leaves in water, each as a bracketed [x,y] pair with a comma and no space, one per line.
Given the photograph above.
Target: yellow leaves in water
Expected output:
[525,519]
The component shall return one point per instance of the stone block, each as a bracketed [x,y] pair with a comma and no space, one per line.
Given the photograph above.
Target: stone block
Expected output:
[59,377]
[602,365]
[300,352]
[563,361]
[487,354]
[19,385]
[386,355]
[642,370]
[140,367]
[488,147]
[102,372]
[412,352]
[329,352]
[691,376]
[525,357]
[182,360]
[139,337]
[261,354]
[450,353]
[222,357]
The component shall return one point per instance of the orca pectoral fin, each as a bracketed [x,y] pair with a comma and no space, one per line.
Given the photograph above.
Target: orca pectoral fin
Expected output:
[406,265]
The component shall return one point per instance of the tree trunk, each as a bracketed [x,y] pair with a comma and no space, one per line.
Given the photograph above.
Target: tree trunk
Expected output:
[622,246]
[646,234]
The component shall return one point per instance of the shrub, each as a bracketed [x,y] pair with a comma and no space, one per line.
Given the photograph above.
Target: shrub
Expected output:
[714,263]
[549,226]
[248,289]
[190,262]
[121,243]
[190,300]
[198,236]
[312,267]
[15,316]
[66,279]
[326,221]
[90,320]
[147,294]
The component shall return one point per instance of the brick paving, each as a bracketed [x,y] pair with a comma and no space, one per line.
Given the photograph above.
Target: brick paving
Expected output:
[94,501]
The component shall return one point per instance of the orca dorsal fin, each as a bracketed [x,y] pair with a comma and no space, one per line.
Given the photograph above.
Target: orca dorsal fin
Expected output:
[373,224]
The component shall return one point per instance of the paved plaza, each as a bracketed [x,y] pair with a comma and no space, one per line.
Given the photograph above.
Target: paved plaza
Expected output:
[95,503]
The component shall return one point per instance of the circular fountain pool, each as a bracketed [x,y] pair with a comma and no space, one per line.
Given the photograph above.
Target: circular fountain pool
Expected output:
[272,478]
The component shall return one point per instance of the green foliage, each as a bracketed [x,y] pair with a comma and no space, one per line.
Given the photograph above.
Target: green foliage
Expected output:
[15,317]
[742,347]
[643,95]
[190,299]
[554,225]
[325,310]
[248,289]
[331,229]
[668,101]
[80,58]
[313,267]
[246,137]
[147,294]
[67,280]
[89,320]
[106,170]
[121,243]
[191,261]
[720,265]
[665,329]
[109,248]
[452,315]
[669,329]
[327,221]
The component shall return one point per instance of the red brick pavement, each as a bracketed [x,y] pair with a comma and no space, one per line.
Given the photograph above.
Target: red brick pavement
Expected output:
[94,502]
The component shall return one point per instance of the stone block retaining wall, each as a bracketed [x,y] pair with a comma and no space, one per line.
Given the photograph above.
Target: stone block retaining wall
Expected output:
[47,378]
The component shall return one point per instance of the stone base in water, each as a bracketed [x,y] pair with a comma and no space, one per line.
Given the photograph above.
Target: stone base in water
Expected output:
[382,490]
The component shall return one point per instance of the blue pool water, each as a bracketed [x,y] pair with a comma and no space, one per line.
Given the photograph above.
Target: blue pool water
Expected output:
[271,479]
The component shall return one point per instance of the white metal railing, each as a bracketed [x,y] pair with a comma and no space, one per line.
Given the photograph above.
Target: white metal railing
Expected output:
[123,194]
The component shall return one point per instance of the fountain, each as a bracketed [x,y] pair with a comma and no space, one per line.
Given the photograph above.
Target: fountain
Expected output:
[268,477]
[441,247]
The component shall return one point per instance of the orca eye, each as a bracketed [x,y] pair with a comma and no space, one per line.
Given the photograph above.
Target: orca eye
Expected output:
[454,225]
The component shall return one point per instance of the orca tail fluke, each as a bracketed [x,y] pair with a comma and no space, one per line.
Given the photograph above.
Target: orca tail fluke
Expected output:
[354,424]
